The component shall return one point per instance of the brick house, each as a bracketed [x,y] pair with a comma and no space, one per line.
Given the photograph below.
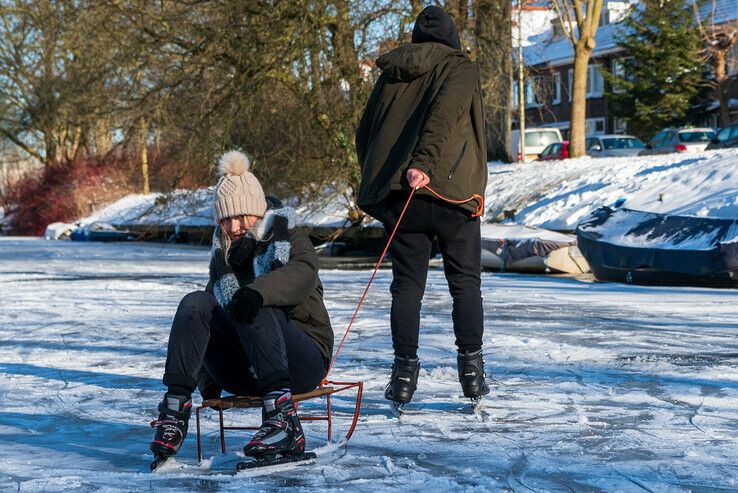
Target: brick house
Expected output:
[549,60]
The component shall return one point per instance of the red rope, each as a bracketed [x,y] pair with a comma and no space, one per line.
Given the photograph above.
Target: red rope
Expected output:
[478,212]
[376,268]
[480,201]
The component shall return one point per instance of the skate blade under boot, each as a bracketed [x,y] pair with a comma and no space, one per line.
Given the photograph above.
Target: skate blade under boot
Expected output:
[159,462]
[271,463]
[398,408]
[477,404]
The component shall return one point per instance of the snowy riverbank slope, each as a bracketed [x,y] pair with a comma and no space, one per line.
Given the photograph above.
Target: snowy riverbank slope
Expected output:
[558,194]
[595,387]
[552,194]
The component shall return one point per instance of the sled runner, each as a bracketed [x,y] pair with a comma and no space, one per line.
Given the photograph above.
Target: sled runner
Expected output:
[326,390]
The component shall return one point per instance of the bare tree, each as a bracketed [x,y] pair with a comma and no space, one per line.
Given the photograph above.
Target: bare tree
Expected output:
[493,37]
[718,39]
[56,62]
[580,19]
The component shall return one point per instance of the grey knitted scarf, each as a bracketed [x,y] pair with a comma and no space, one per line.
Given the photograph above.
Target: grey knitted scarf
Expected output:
[272,252]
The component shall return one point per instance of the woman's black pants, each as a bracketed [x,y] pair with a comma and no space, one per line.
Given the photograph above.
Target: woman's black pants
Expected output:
[207,348]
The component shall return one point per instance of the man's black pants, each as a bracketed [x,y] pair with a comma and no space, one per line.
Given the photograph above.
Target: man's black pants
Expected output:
[458,237]
[243,359]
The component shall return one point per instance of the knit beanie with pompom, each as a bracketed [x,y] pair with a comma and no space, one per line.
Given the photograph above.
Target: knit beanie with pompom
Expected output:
[238,192]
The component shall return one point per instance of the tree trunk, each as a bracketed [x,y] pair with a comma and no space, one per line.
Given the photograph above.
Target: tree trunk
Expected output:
[495,66]
[144,155]
[101,137]
[579,100]
[721,78]
[459,12]
[49,148]
[74,147]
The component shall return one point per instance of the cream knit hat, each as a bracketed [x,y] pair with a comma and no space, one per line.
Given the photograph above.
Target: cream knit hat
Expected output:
[238,192]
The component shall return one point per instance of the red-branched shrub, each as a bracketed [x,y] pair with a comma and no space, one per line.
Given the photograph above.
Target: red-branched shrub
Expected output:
[65,191]
[73,189]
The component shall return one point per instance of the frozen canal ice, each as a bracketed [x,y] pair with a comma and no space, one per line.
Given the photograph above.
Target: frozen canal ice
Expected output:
[595,387]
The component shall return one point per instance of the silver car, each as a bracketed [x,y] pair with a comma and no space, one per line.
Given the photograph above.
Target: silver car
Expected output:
[693,139]
[613,145]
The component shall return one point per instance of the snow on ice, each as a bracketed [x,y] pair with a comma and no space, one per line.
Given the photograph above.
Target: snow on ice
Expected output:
[595,387]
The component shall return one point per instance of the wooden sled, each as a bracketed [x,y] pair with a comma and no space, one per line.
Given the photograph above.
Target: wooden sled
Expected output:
[326,390]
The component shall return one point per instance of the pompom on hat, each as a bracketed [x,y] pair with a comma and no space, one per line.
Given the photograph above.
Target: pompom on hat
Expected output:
[238,192]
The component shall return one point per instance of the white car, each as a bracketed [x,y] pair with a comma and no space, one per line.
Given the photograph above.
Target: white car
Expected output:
[613,145]
[536,140]
[693,139]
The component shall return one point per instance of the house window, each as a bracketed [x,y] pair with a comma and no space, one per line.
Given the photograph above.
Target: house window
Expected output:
[595,82]
[620,69]
[533,97]
[557,28]
[515,95]
[620,126]
[711,121]
[556,88]
[731,60]
[594,126]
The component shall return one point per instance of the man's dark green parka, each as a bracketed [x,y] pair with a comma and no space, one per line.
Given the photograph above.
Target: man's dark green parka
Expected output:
[425,112]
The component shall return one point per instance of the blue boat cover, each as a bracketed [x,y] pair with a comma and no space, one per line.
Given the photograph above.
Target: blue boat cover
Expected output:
[619,242]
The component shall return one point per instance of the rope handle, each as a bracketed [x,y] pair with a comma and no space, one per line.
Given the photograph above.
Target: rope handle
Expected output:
[478,212]
[480,201]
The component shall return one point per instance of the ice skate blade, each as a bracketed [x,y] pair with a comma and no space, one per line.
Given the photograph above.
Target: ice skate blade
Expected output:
[398,409]
[477,405]
[276,464]
[158,462]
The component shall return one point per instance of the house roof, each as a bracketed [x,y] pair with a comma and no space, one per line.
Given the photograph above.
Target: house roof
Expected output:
[559,51]
[719,11]
[543,49]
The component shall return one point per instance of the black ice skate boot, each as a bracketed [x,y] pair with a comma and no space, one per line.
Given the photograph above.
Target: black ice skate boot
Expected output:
[403,381]
[280,432]
[171,427]
[471,375]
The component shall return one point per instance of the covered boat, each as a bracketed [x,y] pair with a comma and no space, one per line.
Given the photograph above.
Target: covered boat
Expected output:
[99,231]
[511,247]
[630,246]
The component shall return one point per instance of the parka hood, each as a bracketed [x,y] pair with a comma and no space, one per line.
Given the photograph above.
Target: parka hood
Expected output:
[410,61]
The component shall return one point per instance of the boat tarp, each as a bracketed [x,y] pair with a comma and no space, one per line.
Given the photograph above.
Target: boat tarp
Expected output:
[630,240]
[514,249]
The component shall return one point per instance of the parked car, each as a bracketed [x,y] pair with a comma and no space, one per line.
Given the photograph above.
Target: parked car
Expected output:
[536,140]
[691,139]
[555,151]
[726,137]
[613,145]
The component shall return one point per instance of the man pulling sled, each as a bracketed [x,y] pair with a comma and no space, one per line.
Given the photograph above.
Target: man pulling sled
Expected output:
[423,129]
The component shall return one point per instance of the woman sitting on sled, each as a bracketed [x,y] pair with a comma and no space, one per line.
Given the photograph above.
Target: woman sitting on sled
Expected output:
[259,328]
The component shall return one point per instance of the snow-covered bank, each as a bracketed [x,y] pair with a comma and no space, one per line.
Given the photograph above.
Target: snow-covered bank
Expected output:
[194,208]
[552,194]
[595,387]
[558,194]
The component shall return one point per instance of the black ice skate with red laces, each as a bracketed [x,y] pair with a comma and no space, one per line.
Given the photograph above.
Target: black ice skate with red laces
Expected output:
[171,427]
[280,439]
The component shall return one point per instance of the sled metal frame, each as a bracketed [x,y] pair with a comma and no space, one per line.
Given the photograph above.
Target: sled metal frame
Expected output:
[326,389]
